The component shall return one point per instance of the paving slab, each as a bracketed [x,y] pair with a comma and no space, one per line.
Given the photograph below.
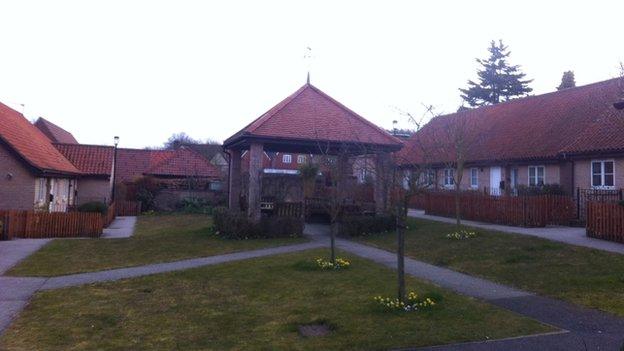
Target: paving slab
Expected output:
[569,235]
[13,251]
[121,227]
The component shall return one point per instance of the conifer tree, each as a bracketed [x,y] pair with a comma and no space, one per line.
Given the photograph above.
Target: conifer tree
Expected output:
[498,80]
[567,80]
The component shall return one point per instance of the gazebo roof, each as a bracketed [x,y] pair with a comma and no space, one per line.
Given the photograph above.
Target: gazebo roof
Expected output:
[311,121]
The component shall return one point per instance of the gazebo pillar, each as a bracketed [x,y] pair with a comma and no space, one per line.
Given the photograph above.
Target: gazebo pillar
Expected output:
[255,168]
[235,180]
[381,182]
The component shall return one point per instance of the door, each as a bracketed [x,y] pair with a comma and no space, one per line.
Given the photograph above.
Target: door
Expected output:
[495,181]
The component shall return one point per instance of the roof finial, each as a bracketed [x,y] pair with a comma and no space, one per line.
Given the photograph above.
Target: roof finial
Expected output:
[308,58]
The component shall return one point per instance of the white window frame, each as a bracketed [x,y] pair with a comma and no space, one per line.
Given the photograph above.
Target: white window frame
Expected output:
[602,174]
[286,158]
[301,159]
[536,175]
[449,177]
[474,178]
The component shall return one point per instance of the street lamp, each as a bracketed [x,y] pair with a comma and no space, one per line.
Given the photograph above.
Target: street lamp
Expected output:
[115,142]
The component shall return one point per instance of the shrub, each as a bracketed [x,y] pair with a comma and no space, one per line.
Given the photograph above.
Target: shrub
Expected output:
[94,206]
[233,225]
[364,225]
[195,205]
[546,189]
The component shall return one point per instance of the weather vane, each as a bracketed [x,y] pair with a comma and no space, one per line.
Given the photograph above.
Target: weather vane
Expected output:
[308,59]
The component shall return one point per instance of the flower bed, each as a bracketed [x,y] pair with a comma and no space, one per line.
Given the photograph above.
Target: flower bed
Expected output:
[341,263]
[461,235]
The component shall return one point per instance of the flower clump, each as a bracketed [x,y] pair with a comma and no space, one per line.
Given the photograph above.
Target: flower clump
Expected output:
[413,303]
[325,264]
[461,235]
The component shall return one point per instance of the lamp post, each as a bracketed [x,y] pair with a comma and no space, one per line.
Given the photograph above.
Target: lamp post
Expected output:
[115,142]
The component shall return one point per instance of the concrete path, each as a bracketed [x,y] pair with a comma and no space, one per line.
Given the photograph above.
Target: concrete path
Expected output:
[13,251]
[132,272]
[122,227]
[569,235]
[580,327]
[16,291]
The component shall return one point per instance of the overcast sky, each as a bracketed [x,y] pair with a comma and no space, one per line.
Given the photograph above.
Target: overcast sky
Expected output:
[146,69]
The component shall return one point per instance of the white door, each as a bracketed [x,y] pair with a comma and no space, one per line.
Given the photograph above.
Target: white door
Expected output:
[495,180]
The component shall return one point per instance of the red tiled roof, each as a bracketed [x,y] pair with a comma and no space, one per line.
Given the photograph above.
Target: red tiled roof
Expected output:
[310,114]
[185,162]
[89,159]
[31,144]
[133,163]
[55,133]
[575,120]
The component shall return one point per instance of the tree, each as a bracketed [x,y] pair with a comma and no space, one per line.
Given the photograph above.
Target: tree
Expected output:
[498,80]
[178,139]
[567,80]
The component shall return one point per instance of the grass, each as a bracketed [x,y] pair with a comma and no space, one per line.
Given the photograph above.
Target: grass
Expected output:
[580,275]
[158,238]
[253,305]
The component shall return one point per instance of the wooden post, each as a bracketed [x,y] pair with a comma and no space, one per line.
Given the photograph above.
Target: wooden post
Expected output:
[255,167]
[234,180]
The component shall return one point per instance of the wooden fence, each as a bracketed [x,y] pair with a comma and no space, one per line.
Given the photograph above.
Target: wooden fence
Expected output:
[289,209]
[127,208]
[526,211]
[29,224]
[605,221]
[109,217]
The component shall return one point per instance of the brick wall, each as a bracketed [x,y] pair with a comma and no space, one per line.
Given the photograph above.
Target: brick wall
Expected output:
[93,190]
[18,190]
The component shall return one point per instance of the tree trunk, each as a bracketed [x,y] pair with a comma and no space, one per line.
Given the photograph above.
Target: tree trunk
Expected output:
[400,257]
[332,238]
[457,207]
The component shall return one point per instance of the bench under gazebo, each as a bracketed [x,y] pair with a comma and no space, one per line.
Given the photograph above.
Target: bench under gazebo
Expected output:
[307,122]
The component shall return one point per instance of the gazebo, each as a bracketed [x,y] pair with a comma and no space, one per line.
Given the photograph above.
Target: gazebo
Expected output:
[308,121]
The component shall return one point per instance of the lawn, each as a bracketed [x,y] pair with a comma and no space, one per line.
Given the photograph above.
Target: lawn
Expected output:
[255,304]
[158,238]
[583,276]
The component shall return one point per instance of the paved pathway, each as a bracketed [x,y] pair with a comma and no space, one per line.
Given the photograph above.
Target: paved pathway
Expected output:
[122,227]
[13,251]
[569,235]
[579,326]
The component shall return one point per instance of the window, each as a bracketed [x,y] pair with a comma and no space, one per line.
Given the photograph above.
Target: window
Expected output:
[216,186]
[514,178]
[602,174]
[474,178]
[536,175]
[40,190]
[287,158]
[449,178]
[301,159]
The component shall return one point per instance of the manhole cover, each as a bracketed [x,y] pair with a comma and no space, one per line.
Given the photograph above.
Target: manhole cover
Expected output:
[312,330]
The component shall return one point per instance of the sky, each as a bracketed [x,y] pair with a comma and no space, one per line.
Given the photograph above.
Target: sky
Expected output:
[144,70]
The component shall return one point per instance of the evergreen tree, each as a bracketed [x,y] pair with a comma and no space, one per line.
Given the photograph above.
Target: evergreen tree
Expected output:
[567,80]
[498,80]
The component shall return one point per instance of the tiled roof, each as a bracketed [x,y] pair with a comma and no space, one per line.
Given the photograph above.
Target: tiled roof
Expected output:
[31,144]
[55,133]
[89,159]
[206,150]
[574,120]
[310,114]
[184,163]
[97,160]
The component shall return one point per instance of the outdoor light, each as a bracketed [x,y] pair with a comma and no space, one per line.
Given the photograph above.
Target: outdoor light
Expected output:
[116,140]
